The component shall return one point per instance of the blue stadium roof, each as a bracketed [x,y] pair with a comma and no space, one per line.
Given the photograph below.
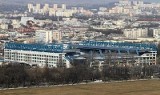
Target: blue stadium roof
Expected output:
[116,45]
[57,48]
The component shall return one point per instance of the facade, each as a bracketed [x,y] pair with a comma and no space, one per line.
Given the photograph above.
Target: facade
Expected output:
[36,54]
[55,6]
[30,7]
[44,36]
[135,33]
[3,26]
[48,36]
[156,33]
[64,6]
[147,58]
[57,35]
[120,52]
[124,2]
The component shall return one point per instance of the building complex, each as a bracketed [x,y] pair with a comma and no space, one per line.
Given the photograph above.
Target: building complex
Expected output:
[55,55]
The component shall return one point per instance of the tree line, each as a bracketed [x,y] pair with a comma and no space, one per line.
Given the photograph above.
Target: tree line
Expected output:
[18,75]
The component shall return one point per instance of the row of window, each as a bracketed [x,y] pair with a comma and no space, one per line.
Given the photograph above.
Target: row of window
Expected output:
[34,61]
[28,58]
[31,55]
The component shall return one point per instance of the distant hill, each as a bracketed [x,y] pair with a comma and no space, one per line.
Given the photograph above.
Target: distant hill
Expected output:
[69,2]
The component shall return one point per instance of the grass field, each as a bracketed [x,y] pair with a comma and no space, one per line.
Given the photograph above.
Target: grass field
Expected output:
[149,87]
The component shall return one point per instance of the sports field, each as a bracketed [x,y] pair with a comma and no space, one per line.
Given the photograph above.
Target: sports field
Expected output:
[149,87]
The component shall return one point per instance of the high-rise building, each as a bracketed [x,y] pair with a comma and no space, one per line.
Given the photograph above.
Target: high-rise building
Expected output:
[48,36]
[3,26]
[156,32]
[44,36]
[57,35]
[54,10]
[64,6]
[46,8]
[138,2]
[30,7]
[38,6]
[55,6]
[124,2]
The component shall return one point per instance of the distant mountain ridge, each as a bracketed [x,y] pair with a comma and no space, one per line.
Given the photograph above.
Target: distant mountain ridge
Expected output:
[74,2]
[69,2]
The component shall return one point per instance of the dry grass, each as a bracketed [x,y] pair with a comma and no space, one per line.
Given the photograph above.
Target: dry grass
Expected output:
[151,87]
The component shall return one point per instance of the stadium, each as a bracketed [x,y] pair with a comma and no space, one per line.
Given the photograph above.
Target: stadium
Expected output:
[100,52]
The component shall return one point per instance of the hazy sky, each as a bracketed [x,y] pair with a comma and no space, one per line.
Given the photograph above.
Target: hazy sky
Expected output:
[64,1]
